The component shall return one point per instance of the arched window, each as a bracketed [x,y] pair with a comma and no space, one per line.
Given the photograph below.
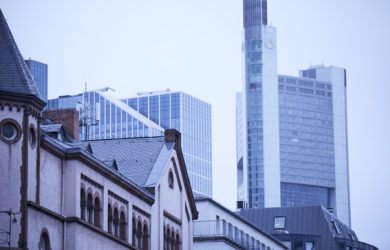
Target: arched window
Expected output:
[109,219]
[145,238]
[139,235]
[97,212]
[83,204]
[116,222]
[44,242]
[167,239]
[172,240]
[123,226]
[90,208]
[164,239]
[178,242]
[134,232]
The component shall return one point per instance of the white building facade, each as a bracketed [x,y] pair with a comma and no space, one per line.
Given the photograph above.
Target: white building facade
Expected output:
[219,228]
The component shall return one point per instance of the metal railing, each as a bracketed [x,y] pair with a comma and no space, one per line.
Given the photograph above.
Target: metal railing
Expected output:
[211,230]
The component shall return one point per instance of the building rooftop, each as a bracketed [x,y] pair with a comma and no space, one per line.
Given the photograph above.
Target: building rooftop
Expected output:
[134,157]
[309,220]
[15,77]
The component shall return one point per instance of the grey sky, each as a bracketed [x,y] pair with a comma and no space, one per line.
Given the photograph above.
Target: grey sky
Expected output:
[195,46]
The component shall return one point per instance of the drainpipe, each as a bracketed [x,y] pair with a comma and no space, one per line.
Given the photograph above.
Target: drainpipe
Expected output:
[62,203]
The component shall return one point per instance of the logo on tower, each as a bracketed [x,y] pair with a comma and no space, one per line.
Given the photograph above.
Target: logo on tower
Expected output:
[269,43]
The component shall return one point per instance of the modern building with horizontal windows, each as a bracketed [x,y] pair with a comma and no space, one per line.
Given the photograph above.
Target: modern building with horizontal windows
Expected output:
[103,116]
[39,73]
[192,117]
[291,131]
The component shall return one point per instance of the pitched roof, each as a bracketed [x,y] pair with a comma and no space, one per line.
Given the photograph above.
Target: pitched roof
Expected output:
[309,220]
[134,157]
[15,77]
[50,128]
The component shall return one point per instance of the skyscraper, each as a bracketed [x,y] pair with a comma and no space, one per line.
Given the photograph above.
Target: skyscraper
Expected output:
[190,116]
[291,131]
[259,167]
[38,71]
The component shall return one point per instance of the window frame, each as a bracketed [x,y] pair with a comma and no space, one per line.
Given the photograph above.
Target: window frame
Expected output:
[18,131]
[284,222]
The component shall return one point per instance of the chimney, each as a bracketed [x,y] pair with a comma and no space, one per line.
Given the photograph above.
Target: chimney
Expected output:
[69,118]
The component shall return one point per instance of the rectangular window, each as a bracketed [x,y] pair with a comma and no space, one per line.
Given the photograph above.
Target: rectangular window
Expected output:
[279,222]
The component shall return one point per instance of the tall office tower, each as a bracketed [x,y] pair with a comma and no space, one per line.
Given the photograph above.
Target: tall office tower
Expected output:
[38,71]
[103,116]
[190,116]
[291,131]
[258,165]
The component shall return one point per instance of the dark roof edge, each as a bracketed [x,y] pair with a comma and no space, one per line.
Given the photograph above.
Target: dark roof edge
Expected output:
[80,154]
[29,98]
[172,135]
[269,236]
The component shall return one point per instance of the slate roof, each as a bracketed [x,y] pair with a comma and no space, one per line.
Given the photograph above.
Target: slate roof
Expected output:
[15,77]
[310,220]
[134,157]
[51,128]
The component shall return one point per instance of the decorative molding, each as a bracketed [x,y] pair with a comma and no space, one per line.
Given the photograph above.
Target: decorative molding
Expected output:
[93,164]
[90,181]
[139,210]
[172,218]
[80,222]
[112,194]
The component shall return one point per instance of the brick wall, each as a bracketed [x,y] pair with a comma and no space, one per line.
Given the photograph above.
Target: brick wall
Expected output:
[69,118]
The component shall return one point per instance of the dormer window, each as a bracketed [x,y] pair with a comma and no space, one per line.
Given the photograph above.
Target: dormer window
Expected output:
[279,222]
[170,179]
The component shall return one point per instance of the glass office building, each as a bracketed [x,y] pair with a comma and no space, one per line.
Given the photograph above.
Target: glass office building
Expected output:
[103,116]
[38,71]
[291,131]
[190,116]
[257,171]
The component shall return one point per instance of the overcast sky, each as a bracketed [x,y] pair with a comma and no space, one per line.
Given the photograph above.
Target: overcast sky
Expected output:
[195,46]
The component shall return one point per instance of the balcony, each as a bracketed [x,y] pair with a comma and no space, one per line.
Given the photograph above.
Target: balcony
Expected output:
[221,230]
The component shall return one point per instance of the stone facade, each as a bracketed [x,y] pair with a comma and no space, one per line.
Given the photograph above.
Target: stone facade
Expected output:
[77,204]
[57,193]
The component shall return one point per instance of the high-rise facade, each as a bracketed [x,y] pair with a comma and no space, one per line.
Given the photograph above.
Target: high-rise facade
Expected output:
[291,131]
[103,116]
[259,168]
[190,116]
[38,71]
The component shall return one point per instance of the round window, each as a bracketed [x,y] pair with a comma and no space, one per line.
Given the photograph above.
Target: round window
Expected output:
[9,131]
[32,138]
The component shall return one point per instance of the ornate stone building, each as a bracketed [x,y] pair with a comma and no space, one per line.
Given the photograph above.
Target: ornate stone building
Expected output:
[105,194]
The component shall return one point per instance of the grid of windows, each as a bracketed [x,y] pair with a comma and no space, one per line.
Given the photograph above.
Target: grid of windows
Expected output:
[192,118]
[296,195]
[107,120]
[39,73]
[254,122]
[306,143]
